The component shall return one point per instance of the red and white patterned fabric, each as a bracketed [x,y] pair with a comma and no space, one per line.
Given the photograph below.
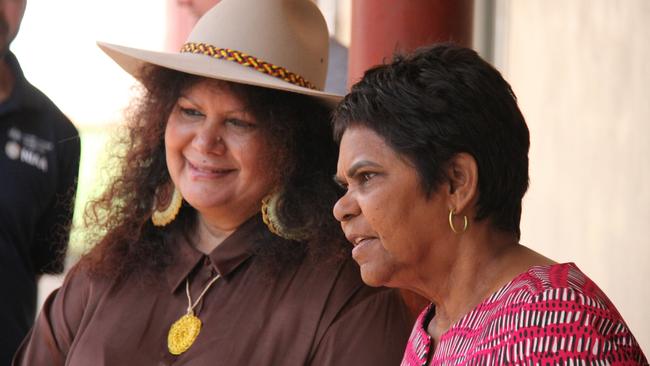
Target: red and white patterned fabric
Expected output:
[549,315]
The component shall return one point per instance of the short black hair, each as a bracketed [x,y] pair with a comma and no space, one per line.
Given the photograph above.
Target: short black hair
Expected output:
[440,101]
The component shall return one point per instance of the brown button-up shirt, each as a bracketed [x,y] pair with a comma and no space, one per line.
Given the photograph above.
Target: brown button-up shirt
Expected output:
[310,314]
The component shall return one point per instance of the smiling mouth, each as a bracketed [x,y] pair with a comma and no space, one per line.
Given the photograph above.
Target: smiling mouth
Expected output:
[209,172]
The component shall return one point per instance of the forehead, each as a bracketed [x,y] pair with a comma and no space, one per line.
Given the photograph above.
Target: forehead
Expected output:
[362,143]
[359,133]
[12,9]
[207,84]
[214,89]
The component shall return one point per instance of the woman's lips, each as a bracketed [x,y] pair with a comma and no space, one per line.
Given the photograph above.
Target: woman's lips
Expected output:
[360,244]
[198,171]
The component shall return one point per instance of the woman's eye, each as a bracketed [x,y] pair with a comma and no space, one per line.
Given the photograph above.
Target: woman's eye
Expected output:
[239,123]
[364,177]
[190,112]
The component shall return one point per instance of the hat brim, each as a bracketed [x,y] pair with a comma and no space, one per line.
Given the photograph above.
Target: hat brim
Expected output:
[132,60]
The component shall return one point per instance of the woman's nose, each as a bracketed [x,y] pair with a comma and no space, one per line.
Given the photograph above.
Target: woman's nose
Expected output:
[345,208]
[208,139]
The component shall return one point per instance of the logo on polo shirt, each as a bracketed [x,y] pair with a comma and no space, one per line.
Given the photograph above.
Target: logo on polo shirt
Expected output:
[13,150]
[27,148]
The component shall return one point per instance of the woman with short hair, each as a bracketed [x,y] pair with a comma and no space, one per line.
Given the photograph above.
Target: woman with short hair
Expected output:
[434,159]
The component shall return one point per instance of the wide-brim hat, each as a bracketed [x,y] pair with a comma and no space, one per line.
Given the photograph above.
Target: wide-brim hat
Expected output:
[278,44]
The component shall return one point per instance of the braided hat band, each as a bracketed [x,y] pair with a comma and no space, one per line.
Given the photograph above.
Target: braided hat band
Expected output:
[249,61]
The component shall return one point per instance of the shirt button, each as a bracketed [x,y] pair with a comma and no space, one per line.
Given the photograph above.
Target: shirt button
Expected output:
[207,262]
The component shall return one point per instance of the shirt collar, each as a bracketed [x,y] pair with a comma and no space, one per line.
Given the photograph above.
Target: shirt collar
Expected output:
[225,258]
[23,94]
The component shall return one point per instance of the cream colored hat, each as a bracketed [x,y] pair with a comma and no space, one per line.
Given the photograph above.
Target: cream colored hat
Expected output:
[278,44]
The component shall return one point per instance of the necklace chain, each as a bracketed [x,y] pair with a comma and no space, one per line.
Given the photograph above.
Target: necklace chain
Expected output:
[190,306]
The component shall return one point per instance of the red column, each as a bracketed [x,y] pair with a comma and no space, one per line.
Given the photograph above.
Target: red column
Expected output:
[381,27]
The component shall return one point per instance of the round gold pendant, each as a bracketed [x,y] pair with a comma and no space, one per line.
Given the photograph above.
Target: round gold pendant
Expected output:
[183,333]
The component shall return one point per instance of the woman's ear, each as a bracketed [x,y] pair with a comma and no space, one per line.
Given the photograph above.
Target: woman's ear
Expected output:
[462,173]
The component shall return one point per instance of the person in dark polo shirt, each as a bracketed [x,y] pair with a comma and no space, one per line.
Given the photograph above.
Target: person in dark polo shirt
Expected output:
[39,161]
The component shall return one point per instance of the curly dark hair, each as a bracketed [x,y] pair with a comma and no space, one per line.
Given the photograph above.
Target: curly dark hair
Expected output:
[440,101]
[298,126]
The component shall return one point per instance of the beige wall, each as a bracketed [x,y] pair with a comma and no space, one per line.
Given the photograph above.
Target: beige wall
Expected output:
[581,70]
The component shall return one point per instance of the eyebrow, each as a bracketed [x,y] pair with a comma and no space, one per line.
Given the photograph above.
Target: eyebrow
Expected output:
[353,170]
[360,164]
[243,110]
[185,96]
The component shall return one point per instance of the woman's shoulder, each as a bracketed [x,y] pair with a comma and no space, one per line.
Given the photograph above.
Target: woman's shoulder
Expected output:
[343,278]
[357,318]
[561,288]
[559,283]
[61,317]
[82,286]
[559,308]
[79,283]
[335,284]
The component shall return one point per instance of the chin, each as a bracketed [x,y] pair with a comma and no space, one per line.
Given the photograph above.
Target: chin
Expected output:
[374,276]
[204,200]
[201,206]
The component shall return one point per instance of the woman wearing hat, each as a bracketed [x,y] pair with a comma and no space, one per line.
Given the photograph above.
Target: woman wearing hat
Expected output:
[434,157]
[218,245]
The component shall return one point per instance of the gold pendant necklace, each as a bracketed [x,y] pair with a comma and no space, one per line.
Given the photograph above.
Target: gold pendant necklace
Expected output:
[184,331]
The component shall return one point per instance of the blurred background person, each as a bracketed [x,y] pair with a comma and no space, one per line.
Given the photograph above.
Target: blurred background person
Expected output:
[434,160]
[215,242]
[39,162]
[196,8]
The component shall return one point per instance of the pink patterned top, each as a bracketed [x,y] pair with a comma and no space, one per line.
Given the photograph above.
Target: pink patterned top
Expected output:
[549,315]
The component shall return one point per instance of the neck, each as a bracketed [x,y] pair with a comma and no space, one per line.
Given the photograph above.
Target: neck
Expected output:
[482,261]
[212,229]
[208,235]
[7,80]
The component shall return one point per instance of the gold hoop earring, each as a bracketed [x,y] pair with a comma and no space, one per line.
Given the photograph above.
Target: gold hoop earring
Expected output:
[269,204]
[272,221]
[451,222]
[167,204]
